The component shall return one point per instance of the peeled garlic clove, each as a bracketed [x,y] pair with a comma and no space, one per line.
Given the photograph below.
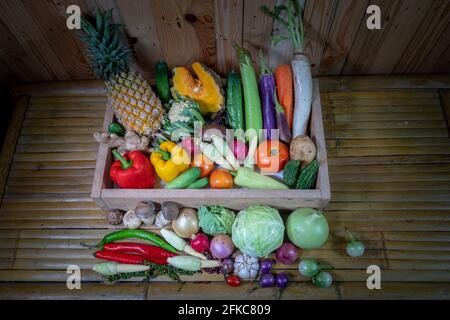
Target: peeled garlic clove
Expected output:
[131,221]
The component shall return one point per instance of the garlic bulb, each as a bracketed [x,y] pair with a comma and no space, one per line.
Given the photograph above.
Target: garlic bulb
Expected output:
[246,267]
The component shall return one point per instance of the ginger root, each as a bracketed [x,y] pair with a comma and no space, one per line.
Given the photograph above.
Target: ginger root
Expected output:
[131,142]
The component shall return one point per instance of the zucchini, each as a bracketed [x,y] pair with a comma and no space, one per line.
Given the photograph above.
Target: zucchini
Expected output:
[308,176]
[235,104]
[290,173]
[199,184]
[185,179]
[162,81]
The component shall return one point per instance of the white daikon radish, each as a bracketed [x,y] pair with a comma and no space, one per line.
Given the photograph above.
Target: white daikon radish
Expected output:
[113,268]
[301,70]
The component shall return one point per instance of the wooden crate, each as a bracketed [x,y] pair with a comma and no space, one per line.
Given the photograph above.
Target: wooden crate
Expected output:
[108,197]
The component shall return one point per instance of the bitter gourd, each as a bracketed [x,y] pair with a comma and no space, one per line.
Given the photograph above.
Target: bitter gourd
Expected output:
[290,173]
[308,176]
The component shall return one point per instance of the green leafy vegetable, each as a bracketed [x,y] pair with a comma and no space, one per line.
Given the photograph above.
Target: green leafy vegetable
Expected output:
[258,230]
[293,24]
[215,220]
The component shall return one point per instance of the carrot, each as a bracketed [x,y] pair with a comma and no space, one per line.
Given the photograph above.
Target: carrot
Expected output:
[285,91]
[301,67]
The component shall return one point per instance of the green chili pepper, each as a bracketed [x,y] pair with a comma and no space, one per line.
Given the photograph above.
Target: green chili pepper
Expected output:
[116,129]
[132,233]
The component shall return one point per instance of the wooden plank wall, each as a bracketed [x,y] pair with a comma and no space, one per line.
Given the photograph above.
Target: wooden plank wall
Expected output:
[36,44]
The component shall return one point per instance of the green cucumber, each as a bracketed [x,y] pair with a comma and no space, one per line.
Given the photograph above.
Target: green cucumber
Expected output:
[185,179]
[162,81]
[252,100]
[290,173]
[235,103]
[308,176]
[199,184]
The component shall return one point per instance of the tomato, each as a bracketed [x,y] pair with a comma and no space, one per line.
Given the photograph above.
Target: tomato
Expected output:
[204,163]
[221,179]
[272,156]
[233,281]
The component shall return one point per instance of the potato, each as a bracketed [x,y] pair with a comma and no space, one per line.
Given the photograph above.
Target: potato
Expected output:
[303,149]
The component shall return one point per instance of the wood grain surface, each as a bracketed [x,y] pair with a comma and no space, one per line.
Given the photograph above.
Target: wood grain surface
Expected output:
[37,46]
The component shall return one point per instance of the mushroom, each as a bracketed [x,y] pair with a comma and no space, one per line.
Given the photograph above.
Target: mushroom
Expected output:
[131,221]
[115,216]
[146,211]
[160,221]
[170,210]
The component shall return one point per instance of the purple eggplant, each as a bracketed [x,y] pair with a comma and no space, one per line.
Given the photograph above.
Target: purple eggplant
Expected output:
[266,89]
[283,126]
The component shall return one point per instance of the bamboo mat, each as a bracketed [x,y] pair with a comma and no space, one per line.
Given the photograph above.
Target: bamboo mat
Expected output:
[389,156]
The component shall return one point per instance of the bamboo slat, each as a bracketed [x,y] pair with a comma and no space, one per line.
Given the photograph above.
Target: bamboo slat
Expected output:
[396,291]
[389,155]
[56,291]
[9,144]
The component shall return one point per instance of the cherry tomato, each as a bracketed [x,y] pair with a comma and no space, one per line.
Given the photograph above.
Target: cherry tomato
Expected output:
[221,179]
[272,156]
[204,164]
[233,281]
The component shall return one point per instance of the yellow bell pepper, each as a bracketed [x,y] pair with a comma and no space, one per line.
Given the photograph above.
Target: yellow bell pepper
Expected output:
[170,161]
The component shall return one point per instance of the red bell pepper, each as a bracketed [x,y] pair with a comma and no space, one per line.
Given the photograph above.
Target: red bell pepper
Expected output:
[132,171]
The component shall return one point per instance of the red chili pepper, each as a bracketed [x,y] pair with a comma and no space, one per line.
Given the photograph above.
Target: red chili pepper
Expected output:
[233,281]
[132,171]
[119,257]
[150,253]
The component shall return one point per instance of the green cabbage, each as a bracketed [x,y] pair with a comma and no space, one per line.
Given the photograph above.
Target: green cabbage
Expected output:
[215,220]
[258,230]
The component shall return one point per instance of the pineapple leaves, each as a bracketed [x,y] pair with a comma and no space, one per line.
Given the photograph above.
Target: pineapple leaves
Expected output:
[109,53]
[98,19]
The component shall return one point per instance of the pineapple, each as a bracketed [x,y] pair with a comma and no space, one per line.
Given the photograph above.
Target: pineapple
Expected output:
[135,105]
